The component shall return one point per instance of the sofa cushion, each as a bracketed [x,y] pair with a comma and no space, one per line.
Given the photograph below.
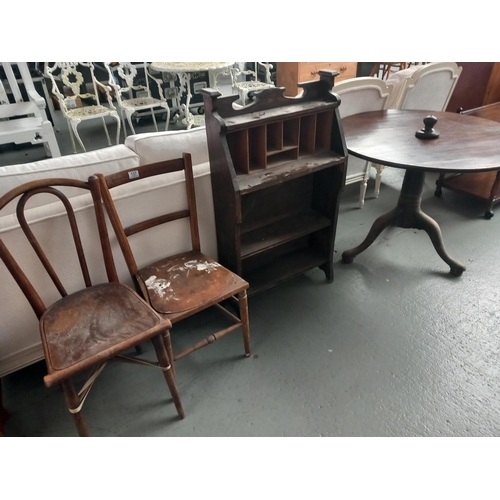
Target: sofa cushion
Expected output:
[159,146]
[79,166]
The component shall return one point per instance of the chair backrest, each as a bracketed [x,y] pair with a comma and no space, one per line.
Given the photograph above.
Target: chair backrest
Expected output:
[73,80]
[429,86]
[15,91]
[132,81]
[50,186]
[107,183]
[14,98]
[358,95]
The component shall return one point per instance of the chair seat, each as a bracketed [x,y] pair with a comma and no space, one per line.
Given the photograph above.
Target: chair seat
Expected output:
[18,109]
[142,102]
[89,111]
[91,321]
[251,85]
[20,124]
[180,283]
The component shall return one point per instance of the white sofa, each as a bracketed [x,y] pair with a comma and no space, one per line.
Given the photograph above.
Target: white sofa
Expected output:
[19,337]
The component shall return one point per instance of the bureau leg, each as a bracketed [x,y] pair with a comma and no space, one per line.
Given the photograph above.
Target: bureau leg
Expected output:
[328,270]
[4,414]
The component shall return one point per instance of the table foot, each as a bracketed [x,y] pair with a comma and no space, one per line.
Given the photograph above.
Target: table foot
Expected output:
[431,227]
[378,226]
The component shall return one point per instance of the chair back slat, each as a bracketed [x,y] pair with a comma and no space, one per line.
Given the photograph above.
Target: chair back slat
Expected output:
[24,283]
[11,78]
[36,245]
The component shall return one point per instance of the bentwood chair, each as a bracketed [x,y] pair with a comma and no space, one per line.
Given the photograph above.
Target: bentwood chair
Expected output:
[81,327]
[180,285]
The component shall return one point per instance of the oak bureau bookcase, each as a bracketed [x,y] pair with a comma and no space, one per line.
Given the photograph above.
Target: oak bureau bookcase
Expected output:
[278,166]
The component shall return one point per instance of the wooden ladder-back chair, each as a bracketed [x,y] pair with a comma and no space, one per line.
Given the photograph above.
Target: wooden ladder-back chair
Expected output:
[88,326]
[181,285]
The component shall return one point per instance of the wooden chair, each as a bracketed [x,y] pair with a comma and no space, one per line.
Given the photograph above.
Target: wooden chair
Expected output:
[23,119]
[184,284]
[88,325]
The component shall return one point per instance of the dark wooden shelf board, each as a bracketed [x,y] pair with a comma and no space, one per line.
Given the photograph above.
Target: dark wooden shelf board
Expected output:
[234,123]
[264,178]
[277,233]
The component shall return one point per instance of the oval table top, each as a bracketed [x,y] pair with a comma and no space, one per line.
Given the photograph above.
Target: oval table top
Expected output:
[465,144]
[187,67]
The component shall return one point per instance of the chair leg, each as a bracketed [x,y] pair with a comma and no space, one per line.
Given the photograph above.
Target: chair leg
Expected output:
[154,118]
[167,121]
[129,120]
[161,353]
[51,141]
[245,323]
[74,125]
[72,136]
[73,402]
[378,179]
[167,339]
[118,127]
[362,192]
[4,414]
[106,130]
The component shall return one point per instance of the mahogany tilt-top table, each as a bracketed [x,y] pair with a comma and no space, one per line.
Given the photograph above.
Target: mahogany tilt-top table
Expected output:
[456,143]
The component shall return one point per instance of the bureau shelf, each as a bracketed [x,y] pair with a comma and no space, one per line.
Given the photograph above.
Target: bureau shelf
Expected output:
[277,169]
[282,231]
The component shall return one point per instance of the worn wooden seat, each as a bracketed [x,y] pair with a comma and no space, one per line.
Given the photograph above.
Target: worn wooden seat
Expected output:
[88,325]
[184,284]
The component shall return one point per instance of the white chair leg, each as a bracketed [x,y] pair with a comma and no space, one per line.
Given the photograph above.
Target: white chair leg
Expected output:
[123,124]
[378,178]
[51,142]
[106,130]
[362,192]
[74,124]
[118,127]
[154,118]
[167,109]
[129,114]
